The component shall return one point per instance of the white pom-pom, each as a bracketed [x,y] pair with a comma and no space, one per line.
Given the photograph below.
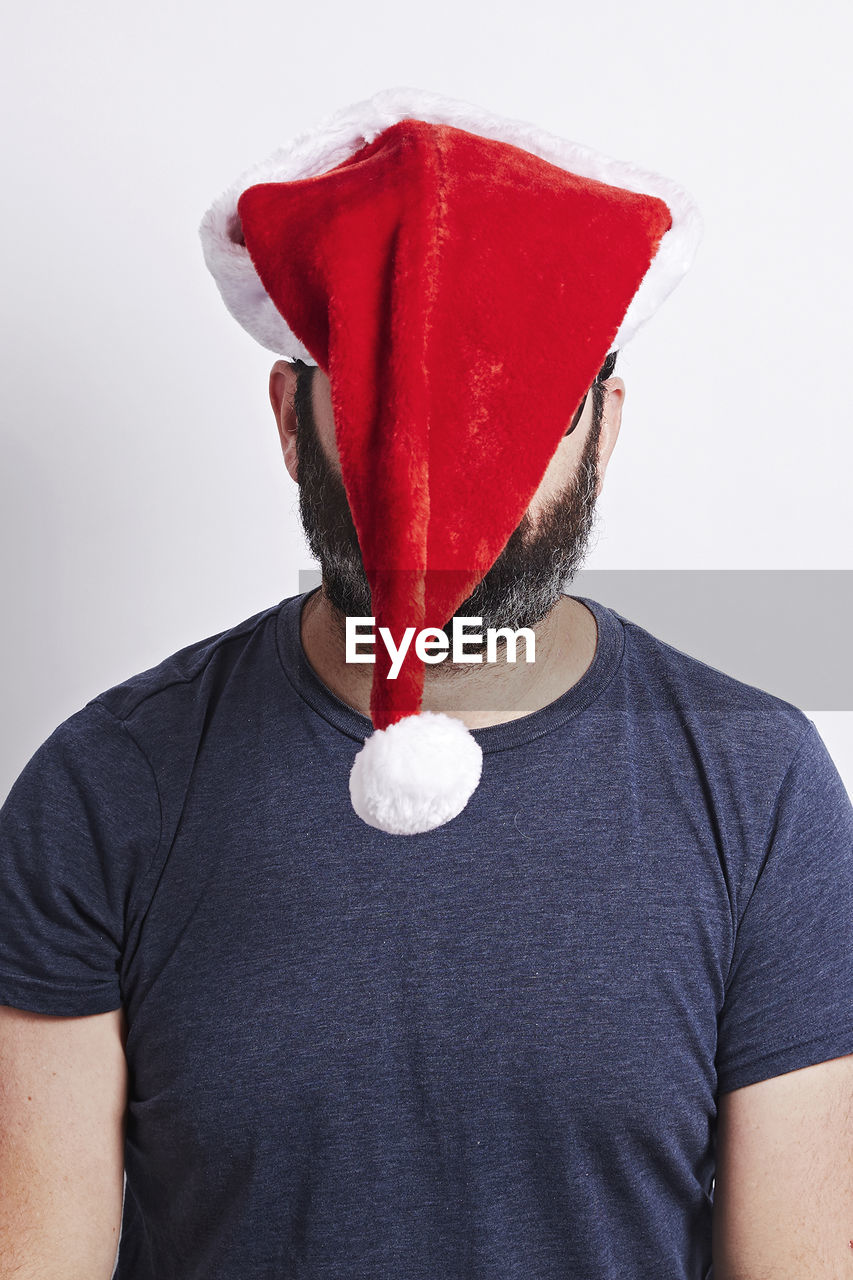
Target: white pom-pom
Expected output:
[415,775]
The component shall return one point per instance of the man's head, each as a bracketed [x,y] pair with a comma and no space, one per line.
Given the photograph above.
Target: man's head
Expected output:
[542,554]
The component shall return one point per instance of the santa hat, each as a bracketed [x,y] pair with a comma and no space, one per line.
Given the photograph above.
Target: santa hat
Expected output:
[436,261]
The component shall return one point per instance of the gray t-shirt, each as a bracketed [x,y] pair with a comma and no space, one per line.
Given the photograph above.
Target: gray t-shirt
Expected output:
[491,1051]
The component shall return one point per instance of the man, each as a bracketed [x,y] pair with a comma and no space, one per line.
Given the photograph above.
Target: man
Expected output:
[531,1039]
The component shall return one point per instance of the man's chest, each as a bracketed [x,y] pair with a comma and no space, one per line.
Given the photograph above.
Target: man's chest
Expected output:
[283,973]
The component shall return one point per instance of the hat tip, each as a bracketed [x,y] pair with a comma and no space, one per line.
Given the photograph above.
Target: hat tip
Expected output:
[415,775]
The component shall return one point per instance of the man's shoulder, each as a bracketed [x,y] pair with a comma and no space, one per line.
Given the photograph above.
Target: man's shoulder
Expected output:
[181,671]
[705,699]
[136,742]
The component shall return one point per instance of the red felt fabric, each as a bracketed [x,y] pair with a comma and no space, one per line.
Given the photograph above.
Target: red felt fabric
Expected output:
[461,294]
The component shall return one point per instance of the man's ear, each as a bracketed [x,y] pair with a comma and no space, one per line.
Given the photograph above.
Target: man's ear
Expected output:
[611,420]
[283,378]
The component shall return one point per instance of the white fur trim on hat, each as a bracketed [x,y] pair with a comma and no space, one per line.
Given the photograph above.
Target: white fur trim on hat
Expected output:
[415,775]
[348,130]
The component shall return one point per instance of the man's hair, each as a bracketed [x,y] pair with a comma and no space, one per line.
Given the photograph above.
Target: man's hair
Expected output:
[605,372]
[305,372]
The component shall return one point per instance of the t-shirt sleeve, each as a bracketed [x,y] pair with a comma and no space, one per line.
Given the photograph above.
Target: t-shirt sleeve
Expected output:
[788,1000]
[77,829]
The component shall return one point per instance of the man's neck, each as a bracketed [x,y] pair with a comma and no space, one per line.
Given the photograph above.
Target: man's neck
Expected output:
[483,693]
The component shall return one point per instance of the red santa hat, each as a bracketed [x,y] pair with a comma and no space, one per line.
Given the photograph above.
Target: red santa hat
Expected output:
[436,261]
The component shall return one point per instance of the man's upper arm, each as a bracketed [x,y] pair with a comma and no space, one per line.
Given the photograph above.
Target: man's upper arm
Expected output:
[63,1095]
[783,1194]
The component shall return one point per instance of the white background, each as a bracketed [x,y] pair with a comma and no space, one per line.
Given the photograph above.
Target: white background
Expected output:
[145,503]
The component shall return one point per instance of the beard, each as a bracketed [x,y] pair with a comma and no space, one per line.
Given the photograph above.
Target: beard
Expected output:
[521,588]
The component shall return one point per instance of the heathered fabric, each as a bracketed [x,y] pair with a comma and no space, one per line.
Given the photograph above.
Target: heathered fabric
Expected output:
[488,1052]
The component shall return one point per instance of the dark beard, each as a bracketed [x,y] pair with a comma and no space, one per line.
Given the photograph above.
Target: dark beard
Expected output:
[519,590]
